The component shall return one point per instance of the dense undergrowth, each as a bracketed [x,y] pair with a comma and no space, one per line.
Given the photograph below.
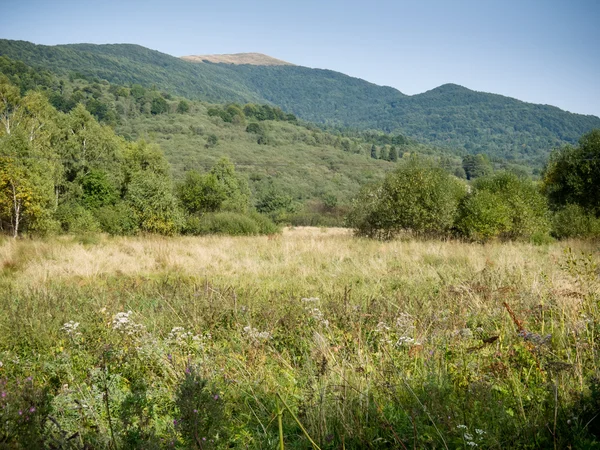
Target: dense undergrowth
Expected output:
[197,342]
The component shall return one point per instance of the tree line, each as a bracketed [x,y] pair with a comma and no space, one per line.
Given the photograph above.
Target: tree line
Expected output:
[422,198]
[66,172]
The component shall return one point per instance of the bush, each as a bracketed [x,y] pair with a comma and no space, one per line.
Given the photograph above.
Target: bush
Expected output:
[573,221]
[118,219]
[74,218]
[417,197]
[231,223]
[504,206]
[483,215]
[572,175]
[264,223]
[150,196]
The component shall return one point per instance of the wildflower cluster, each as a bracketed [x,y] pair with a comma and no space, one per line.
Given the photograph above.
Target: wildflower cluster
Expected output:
[314,312]
[71,328]
[256,336]
[186,339]
[123,323]
[399,333]
[470,438]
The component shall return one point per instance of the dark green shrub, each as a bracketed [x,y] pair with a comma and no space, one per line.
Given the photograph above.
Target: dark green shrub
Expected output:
[201,192]
[573,221]
[572,175]
[74,218]
[117,219]
[264,223]
[98,190]
[230,223]
[254,127]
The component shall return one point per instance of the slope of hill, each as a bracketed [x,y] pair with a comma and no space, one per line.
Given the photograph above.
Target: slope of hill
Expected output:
[127,64]
[256,59]
[306,171]
[449,115]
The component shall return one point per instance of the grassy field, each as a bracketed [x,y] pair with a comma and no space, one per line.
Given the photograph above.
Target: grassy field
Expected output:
[155,342]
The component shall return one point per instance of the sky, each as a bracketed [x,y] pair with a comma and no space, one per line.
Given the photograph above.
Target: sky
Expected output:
[540,51]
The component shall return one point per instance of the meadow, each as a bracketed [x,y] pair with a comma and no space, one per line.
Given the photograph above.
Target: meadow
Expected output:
[308,339]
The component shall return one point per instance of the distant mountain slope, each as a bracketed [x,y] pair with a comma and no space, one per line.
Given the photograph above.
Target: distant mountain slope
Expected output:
[256,59]
[449,115]
[127,63]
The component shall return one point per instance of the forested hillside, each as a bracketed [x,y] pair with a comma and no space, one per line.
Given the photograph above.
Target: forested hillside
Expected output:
[288,170]
[450,115]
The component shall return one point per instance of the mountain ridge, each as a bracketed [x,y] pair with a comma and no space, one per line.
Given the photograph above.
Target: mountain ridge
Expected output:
[253,58]
[450,115]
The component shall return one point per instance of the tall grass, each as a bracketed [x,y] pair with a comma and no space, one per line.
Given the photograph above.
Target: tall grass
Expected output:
[192,342]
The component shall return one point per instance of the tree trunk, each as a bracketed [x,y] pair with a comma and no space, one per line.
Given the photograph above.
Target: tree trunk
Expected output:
[16,210]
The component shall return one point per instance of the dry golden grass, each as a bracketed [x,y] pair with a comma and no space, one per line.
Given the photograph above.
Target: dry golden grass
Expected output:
[311,261]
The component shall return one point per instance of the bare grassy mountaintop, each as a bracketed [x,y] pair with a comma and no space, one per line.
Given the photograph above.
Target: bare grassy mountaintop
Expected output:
[255,59]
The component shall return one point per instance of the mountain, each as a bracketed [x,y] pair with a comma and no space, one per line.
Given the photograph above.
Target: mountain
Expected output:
[450,115]
[255,59]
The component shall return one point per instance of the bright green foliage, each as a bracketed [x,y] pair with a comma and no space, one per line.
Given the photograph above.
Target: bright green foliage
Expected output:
[119,219]
[75,218]
[511,207]
[483,215]
[201,192]
[141,156]
[273,200]
[572,175]
[150,196]
[230,223]
[149,190]
[450,115]
[84,146]
[417,197]
[237,192]
[97,190]
[384,153]
[573,221]
[27,167]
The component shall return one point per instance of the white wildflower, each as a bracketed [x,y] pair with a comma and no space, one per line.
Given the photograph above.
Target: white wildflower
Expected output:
[123,323]
[310,300]
[405,341]
[479,432]
[318,316]
[405,322]
[255,335]
[71,328]
[464,427]
[182,338]
[382,327]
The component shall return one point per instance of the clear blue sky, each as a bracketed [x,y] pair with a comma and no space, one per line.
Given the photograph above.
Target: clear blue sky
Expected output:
[541,51]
